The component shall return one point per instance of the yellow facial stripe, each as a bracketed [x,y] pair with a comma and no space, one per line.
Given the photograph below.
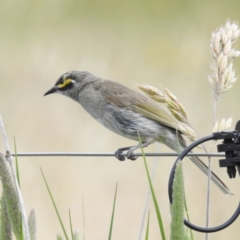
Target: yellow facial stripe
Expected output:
[65,83]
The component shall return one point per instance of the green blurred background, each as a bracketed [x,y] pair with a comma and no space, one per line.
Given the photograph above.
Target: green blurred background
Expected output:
[161,43]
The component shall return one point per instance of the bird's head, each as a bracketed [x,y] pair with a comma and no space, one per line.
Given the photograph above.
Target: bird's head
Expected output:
[70,83]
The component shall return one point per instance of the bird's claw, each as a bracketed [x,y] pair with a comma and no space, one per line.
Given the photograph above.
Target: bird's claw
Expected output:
[130,154]
[131,157]
[118,155]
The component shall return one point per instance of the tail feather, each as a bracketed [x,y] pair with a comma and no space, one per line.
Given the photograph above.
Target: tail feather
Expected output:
[176,142]
[204,168]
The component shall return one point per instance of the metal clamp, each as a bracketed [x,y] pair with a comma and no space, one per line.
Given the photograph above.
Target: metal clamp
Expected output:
[231,147]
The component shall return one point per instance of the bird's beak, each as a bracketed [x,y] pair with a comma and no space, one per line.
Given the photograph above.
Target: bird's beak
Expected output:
[52,90]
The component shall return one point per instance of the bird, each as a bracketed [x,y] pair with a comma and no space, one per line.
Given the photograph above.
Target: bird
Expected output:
[127,113]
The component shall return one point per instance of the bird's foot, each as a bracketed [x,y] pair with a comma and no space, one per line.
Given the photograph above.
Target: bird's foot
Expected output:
[130,150]
[130,154]
[119,156]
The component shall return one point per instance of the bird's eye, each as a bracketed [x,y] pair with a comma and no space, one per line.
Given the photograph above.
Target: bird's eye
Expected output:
[65,83]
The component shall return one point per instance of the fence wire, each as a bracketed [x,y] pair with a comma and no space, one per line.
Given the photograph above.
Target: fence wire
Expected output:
[99,154]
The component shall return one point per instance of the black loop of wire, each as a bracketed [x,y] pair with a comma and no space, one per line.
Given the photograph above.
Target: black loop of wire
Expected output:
[170,190]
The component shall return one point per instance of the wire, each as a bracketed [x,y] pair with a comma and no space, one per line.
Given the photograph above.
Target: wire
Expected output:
[99,154]
[214,136]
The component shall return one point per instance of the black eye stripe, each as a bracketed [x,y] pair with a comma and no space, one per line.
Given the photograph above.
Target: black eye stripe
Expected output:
[65,84]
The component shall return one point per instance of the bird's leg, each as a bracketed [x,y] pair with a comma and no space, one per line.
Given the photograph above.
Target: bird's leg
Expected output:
[131,150]
[120,151]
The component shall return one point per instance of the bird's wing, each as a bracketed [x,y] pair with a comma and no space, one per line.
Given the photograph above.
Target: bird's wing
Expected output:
[123,97]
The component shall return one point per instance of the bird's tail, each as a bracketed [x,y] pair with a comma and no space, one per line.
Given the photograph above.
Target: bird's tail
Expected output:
[181,145]
[204,168]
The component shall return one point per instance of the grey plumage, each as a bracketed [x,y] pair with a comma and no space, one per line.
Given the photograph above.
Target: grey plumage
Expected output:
[125,112]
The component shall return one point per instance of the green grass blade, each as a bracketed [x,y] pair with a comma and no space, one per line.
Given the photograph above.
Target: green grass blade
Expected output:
[32,225]
[16,162]
[5,224]
[188,218]
[113,211]
[177,208]
[70,221]
[18,179]
[59,237]
[147,230]
[55,207]
[160,223]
